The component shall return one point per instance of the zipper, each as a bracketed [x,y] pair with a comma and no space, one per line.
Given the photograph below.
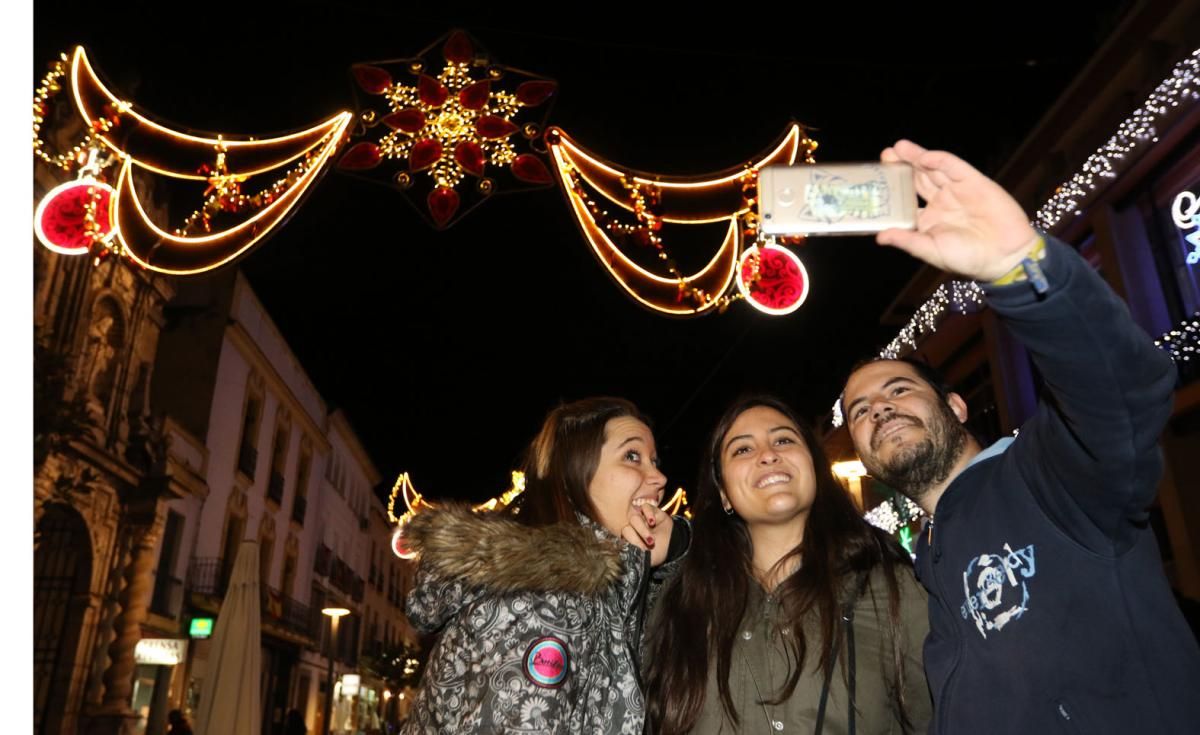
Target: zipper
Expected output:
[942,709]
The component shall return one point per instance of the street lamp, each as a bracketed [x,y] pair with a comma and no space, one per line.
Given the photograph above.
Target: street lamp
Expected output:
[334,613]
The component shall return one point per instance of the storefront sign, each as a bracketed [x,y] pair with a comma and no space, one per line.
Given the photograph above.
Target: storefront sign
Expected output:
[201,627]
[350,683]
[160,651]
[1185,210]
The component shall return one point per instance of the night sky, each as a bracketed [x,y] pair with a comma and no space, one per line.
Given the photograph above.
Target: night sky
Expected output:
[446,349]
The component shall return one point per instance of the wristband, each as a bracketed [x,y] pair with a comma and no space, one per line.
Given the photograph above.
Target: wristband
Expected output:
[1028,269]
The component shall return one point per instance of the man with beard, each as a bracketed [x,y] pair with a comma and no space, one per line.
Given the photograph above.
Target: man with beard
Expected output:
[1049,608]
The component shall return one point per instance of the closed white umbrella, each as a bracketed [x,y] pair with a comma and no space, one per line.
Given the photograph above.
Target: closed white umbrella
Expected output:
[229,698]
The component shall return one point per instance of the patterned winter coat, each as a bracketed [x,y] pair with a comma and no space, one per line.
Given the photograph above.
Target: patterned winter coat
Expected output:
[540,626]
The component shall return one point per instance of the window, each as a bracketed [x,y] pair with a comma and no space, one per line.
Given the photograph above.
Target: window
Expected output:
[300,502]
[278,460]
[248,447]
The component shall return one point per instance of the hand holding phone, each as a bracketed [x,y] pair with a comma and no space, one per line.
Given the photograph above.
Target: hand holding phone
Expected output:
[836,199]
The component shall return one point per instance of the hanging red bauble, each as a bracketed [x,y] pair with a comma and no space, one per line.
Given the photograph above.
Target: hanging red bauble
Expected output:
[781,284]
[61,220]
[443,203]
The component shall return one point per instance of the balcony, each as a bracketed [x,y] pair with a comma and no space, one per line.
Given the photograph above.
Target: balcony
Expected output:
[286,612]
[247,460]
[299,508]
[208,576]
[275,488]
[168,597]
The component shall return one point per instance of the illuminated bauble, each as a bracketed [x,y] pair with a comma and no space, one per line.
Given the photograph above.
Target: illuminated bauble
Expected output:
[781,284]
[61,221]
[399,547]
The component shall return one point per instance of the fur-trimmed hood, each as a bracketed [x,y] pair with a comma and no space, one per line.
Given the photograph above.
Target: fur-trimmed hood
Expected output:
[463,554]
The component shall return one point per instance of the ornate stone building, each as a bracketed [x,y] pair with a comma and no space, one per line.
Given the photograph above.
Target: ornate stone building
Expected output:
[99,483]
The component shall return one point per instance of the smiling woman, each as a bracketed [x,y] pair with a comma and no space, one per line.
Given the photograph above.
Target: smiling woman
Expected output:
[541,613]
[785,584]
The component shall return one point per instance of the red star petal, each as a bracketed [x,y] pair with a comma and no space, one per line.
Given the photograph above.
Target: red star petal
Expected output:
[443,203]
[458,48]
[372,79]
[432,92]
[475,96]
[424,154]
[469,155]
[528,167]
[410,120]
[492,126]
[361,156]
[532,94]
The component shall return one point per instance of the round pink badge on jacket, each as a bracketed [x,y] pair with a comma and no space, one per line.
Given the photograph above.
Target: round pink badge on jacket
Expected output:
[546,662]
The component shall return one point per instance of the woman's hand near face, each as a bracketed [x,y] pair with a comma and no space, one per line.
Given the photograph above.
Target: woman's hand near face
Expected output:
[649,528]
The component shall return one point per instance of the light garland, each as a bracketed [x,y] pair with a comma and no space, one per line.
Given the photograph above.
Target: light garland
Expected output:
[414,503]
[653,199]
[1183,342]
[884,516]
[1139,127]
[1179,87]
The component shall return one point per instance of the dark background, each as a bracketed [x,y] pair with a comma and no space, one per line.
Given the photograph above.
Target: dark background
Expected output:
[446,349]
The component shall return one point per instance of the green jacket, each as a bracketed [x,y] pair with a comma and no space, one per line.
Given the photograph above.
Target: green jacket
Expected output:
[759,670]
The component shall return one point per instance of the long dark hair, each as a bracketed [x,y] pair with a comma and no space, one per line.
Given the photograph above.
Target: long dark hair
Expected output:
[702,609]
[561,460]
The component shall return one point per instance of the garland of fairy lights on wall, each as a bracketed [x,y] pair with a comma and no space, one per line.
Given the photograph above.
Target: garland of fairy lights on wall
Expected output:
[1141,126]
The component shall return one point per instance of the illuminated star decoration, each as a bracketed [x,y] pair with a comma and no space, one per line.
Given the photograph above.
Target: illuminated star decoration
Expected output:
[449,141]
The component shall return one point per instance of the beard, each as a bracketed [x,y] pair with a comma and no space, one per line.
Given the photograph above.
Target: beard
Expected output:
[917,468]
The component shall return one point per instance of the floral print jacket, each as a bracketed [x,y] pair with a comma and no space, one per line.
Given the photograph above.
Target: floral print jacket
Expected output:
[541,627]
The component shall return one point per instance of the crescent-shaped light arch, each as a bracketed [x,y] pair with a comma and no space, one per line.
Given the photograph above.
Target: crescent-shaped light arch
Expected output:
[697,200]
[165,252]
[174,153]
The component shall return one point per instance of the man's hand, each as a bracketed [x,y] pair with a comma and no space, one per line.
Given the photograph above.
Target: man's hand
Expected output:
[969,225]
[649,528]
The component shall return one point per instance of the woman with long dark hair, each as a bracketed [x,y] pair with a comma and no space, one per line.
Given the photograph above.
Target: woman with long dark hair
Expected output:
[541,611]
[790,613]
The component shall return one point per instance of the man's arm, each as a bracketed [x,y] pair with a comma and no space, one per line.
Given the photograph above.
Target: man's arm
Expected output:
[1111,386]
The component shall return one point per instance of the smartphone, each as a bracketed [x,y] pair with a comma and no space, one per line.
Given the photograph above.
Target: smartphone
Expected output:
[836,198]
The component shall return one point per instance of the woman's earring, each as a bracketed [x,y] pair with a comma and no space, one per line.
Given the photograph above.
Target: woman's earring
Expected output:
[729,510]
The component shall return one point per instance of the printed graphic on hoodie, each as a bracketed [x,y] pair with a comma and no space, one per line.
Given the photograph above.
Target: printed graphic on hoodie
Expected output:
[996,589]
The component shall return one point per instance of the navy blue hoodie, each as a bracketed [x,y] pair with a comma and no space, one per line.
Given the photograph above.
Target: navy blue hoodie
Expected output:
[1049,608]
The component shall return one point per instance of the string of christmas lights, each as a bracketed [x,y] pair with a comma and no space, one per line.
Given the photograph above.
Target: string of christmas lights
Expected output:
[1183,342]
[1139,127]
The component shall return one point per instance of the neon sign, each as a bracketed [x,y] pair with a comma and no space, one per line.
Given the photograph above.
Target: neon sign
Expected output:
[1185,210]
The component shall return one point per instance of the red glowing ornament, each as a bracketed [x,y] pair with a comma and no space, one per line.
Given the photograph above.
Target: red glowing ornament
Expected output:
[772,279]
[63,222]
[443,203]
[399,547]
